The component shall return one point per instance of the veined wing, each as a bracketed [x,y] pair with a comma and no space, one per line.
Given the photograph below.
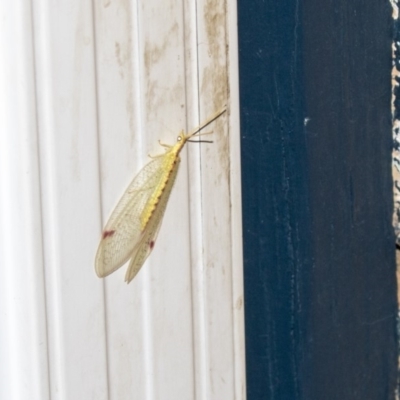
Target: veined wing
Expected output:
[122,232]
[149,236]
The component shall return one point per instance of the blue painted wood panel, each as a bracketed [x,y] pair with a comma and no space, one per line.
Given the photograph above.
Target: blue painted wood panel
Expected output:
[320,285]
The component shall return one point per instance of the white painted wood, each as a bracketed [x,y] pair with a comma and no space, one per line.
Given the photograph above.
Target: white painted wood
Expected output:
[96,86]
[23,352]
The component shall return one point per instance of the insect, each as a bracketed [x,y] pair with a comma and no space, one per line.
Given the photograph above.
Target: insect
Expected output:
[132,228]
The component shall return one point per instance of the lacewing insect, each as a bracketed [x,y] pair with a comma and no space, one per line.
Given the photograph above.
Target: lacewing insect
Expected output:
[132,229]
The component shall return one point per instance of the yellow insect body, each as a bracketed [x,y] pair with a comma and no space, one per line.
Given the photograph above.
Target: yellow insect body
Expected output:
[131,231]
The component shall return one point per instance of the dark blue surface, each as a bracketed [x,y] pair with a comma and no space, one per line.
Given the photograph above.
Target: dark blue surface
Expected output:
[320,289]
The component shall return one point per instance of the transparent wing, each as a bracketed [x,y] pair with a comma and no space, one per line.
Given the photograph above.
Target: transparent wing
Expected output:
[149,236]
[122,231]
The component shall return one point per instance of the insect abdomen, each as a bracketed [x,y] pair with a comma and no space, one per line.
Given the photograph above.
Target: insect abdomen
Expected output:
[170,168]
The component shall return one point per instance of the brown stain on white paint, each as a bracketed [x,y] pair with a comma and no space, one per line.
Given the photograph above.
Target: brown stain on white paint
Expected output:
[214,84]
[124,59]
[155,54]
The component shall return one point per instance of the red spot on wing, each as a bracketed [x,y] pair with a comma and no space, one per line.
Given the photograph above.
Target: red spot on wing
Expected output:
[151,244]
[108,233]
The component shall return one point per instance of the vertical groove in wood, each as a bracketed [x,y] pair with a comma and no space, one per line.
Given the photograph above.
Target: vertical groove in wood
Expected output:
[23,337]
